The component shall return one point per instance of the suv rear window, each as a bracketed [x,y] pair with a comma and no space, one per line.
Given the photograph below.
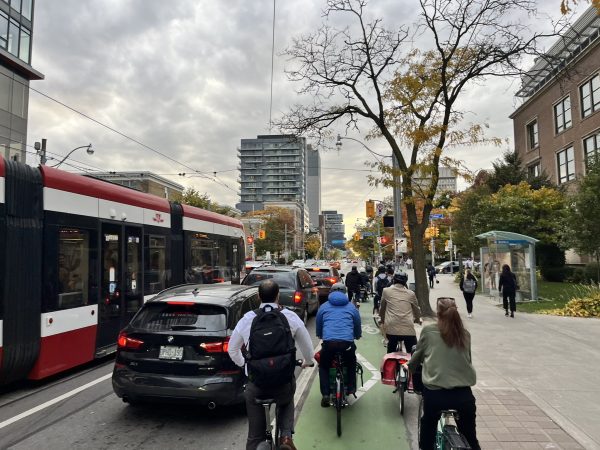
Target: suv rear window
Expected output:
[320,273]
[161,316]
[285,280]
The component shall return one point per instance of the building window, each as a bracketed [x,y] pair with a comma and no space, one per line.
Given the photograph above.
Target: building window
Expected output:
[590,96]
[566,165]
[532,134]
[562,115]
[534,170]
[591,148]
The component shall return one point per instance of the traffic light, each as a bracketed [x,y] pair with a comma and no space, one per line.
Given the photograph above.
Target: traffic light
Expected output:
[384,239]
[262,234]
[250,239]
[436,231]
[370,208]
[357,236]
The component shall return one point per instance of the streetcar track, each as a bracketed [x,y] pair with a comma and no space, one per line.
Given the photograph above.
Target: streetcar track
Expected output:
[54,383]
[58,419]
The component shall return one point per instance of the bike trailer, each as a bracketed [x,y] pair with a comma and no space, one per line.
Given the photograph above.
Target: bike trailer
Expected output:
[390,364]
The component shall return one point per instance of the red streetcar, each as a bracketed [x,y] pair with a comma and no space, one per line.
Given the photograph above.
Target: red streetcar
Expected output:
[78,257]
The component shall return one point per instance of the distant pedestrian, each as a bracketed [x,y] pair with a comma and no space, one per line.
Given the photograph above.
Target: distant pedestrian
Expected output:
[430,274]
[509,287]
[409,263]
[468,285]
[469,263]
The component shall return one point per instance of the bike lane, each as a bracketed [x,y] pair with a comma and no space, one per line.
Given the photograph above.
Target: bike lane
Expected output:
[371,421]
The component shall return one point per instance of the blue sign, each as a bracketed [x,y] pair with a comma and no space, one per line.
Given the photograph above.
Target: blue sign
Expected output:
[436,216]
[338,241]
[511,241]
[367,233]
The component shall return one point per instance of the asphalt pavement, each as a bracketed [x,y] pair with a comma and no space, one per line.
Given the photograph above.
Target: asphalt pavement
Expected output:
[536,385]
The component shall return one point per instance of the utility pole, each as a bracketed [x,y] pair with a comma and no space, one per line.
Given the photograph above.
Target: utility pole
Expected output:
[285,252]
[41,150]
[432,243]
[451,246]
[398,228]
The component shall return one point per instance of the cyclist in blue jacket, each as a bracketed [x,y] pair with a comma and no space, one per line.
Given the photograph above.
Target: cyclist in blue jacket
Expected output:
[338,324]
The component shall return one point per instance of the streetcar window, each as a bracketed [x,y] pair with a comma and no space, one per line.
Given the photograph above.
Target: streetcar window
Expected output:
[73,268]
[199,268]
[162,316]
[156,275]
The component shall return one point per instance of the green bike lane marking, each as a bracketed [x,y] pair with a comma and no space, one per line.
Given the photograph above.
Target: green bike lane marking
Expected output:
[373,420]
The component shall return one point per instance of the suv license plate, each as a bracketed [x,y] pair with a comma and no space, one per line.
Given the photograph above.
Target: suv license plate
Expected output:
[170,352]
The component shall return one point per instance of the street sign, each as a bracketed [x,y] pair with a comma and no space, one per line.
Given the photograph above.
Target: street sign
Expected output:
[338,241]
[367,233]
[401,245]
[436,216]
[379,209]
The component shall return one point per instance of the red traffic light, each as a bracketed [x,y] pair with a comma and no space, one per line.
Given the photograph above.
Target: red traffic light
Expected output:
[384,239]
[250,239]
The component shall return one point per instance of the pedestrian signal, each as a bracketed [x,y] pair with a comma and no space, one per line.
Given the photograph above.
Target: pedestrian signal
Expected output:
[357,236]
[370,208]
[262,234]
[250,240]
[388,221]
[384,239]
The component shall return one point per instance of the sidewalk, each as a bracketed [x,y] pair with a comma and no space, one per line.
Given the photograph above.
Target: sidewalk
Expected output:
[536,385]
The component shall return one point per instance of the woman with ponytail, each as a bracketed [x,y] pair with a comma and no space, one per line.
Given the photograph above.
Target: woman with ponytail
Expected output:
[444,350]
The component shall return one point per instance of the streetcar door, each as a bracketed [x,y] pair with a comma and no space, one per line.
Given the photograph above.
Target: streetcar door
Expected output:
[111,309]
[132,288]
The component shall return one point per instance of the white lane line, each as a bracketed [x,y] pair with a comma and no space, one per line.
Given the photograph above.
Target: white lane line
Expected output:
[375,377]
[303,379]
[53,401]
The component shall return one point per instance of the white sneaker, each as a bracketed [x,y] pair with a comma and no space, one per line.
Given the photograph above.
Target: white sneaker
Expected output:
[470,316]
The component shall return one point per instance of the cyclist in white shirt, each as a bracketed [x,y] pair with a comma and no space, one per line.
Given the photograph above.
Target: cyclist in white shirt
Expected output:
[268,292]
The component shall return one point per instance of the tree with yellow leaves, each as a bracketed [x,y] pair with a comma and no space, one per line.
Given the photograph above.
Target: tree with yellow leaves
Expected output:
[404,85]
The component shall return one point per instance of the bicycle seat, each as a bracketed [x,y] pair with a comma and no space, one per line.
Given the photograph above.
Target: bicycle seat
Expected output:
[264,401]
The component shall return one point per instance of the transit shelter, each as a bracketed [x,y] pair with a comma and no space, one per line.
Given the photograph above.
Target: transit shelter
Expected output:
[514,249]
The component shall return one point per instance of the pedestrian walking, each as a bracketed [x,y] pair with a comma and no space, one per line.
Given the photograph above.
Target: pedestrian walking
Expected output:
[509,287]
[409,263]
[430,274]
[468,286]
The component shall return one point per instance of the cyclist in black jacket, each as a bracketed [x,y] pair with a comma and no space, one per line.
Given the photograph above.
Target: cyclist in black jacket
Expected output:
[353,283]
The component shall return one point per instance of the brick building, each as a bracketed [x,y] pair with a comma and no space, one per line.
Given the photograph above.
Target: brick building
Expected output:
[557,128]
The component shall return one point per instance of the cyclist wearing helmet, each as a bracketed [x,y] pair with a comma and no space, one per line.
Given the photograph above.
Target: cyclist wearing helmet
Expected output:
[399,311]
[381,282]
[364,283]
[338,324]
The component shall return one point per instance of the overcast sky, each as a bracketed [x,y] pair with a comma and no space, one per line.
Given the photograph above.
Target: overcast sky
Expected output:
[190,78]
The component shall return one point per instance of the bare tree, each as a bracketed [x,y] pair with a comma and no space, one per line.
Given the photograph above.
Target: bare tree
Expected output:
[365,73]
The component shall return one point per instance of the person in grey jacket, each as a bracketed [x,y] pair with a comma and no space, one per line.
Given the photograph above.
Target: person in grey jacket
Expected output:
[399,311]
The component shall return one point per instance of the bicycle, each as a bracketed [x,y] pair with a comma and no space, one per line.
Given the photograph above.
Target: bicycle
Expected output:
[447,436]
[340,399]
[271,442]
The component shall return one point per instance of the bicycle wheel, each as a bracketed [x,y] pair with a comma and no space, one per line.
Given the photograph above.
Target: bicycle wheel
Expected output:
[339,399]
[265,445]
[400,390]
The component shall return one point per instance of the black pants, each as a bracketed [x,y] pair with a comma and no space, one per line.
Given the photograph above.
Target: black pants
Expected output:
[354,295]
[328,351]
[284,397]
[469,300]
[430,281]
[434,401]
[506,296]
[395,340]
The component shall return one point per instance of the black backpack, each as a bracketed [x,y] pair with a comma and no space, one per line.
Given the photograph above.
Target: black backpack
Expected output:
[272,352]
[380,285]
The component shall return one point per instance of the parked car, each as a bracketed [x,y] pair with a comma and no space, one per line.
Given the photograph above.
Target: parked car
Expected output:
[175,347]
[297,290]
[447,267]
[324,277]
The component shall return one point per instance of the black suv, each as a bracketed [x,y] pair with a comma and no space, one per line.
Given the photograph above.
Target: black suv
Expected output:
[297,290]
[324,277]
[175,347]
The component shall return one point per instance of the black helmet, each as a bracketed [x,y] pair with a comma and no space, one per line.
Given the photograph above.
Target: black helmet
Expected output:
[341,287]
[381,269]
[400,277]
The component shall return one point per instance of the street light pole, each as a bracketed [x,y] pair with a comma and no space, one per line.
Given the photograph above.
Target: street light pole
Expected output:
[90,151]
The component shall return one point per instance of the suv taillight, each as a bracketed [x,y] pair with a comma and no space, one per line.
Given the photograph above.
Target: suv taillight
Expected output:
[126,342]
[216,347]
[298,296]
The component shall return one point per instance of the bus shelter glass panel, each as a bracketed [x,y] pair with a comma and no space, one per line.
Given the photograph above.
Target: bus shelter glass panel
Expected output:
[517,255]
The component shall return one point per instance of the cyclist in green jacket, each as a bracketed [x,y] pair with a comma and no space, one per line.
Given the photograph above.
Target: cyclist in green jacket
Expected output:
[444,350]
